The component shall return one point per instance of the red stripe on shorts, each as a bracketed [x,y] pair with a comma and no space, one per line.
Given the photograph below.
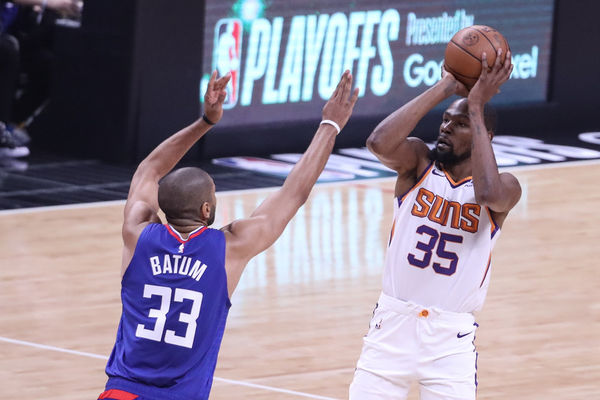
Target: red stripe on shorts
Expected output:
[116,394]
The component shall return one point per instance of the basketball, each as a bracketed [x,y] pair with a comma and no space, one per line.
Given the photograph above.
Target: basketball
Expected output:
[463,52]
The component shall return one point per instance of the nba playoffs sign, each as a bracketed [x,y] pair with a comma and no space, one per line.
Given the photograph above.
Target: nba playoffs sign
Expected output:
[285,57]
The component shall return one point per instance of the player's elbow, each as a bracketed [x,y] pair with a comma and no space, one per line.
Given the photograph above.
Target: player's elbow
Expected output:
[301,197]
[375,144]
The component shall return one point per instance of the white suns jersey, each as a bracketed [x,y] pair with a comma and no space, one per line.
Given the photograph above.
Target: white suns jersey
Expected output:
[439,251]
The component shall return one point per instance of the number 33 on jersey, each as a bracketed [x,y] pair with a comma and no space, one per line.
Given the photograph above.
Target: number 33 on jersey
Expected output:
[175,304]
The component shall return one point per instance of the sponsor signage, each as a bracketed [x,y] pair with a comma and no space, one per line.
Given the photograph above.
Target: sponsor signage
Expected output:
[286,57]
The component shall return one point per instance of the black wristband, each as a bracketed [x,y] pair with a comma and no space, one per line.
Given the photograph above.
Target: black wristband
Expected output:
[208,121]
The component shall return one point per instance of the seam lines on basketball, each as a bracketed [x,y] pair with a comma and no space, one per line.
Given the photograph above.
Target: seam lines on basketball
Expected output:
[465,50]
[458,73]
[486,38]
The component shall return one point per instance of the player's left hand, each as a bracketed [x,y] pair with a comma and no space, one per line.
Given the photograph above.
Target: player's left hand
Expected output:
[489,82]
[215,96]
[341,103]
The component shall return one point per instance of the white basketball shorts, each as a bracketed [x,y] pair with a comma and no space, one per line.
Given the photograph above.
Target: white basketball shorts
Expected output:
[406,343]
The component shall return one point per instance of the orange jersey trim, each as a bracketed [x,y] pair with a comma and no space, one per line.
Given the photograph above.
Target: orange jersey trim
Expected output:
[468,178]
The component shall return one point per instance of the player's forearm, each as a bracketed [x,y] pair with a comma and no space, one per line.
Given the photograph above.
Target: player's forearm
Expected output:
[305,173]
[167,154]
[393,130]
[486,178]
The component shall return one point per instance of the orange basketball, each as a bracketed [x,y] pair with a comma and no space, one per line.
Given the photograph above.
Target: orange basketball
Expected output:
[463,52]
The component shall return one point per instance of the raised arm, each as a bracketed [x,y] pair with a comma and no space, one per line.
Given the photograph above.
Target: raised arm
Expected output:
[248,237]
[389,140]
[142,201]
[499,192]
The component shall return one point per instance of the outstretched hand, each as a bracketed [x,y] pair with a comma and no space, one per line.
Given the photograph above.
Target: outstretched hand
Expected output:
[215,96]
[489,82]
[339,106]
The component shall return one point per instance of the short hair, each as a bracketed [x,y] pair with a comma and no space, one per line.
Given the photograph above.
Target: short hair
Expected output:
[182,192]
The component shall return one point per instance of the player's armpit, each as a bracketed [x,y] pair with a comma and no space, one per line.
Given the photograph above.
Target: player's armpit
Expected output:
[137,216]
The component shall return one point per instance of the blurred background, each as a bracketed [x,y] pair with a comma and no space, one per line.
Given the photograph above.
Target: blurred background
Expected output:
[107,80]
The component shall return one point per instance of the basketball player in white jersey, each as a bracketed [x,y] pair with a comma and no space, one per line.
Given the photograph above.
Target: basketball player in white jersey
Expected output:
[450,204]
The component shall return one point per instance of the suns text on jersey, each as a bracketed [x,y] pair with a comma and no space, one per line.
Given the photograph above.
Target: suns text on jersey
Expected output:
[177,264]
[437,209]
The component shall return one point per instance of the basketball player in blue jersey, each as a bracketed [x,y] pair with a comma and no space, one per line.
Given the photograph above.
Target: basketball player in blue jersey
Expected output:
[450,204]
[178,277]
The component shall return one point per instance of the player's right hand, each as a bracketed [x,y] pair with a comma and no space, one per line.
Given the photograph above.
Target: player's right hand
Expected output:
[215,96]
[459,88]
[339,106]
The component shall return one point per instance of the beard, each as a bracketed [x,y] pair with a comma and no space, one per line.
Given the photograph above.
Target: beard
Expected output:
[448,157]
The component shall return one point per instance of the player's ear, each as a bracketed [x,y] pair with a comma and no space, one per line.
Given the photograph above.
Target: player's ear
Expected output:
[205,210]
[491,135]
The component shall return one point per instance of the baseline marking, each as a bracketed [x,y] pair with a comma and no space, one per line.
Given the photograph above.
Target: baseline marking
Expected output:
[101,357]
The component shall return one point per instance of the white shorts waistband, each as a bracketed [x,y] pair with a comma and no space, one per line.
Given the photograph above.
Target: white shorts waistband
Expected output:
[405,307]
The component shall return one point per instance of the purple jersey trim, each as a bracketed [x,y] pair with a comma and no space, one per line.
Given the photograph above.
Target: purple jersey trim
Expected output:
[416,184]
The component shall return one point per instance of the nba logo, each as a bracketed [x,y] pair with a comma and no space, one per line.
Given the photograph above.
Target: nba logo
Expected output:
[227,55]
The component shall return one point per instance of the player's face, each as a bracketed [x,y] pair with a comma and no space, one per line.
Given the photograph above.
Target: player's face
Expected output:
[454,141]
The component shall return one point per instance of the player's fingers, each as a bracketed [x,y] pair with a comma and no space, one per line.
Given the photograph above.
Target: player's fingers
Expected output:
[347,87]
[340,86]
[508,61]
[484,65]
[223,81]
[508,73]
[222,95]
[498,62]
[354,97]
[211,82]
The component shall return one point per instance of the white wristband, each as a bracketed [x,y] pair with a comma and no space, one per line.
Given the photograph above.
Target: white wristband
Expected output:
[332,123]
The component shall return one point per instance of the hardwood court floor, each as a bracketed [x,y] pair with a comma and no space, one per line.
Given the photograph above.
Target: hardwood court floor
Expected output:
[302,307]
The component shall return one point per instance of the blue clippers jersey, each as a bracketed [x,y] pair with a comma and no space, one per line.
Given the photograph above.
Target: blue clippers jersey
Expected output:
[175,303]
